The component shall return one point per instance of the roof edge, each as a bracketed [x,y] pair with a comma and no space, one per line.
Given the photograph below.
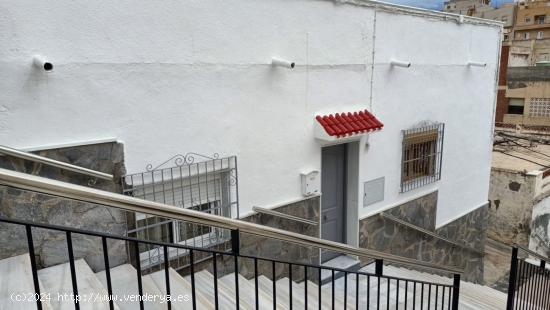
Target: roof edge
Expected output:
[409,10]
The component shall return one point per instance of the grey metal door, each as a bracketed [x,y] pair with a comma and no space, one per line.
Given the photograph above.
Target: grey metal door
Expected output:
[333,183]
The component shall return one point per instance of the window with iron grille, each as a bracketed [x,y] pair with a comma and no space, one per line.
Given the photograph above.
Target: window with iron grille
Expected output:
[191,181]
[421,156]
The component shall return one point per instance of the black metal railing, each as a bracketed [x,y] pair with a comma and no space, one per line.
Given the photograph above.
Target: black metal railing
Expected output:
[529,283]
[380,292]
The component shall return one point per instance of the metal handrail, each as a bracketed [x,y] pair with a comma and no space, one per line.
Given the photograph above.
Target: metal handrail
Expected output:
[524,249]
[90,195]
[55,163]
[284,215]
[198,249]
[537,255]
[430,233]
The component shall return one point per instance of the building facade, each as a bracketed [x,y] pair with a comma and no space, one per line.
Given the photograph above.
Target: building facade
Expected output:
[522,93]
[505,14]
[519,191]
[466,7]
[337,115]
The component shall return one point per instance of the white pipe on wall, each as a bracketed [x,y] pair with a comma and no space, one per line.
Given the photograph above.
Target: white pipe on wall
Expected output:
[278,62]
[477,64]
[399,63]
[42,63]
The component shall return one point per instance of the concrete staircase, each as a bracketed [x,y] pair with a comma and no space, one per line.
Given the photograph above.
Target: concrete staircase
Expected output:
[16,276]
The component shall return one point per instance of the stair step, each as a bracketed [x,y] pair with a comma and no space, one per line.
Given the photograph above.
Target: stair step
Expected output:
[57,281]
[266,297]
[181,287]
[204,283]
[341,262]
[472,296]
[284,289]
[266,286]
[246,296]
[125,288]
[20,284]
[326,296]
[248,288]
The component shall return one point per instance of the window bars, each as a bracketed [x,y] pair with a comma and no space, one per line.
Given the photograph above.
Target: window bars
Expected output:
[421,157]
[191,181]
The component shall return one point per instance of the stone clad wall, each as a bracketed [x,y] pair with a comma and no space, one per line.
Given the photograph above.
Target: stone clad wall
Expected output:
[50,246]
[387,236]
[275,249]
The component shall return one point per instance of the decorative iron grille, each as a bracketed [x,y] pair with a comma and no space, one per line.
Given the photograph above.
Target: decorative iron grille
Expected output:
[421,156]
[191,181]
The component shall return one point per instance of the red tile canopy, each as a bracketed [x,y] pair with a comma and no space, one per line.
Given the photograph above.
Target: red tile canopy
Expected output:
[341,125]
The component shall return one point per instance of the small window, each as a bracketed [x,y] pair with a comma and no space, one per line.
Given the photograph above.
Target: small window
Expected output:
[540,35]
[527,19]
[421,156]
[516,105]
[539,19]
[526,35]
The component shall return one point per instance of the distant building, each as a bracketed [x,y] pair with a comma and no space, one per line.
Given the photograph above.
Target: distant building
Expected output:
[505,14]
[466,7]
[524,83]
[531,34]
[519,193]
[528,96]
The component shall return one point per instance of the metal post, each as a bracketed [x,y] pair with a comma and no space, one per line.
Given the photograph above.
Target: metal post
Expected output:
[235,241]
[378,267]
[513,279]
[34,268]
[456,291]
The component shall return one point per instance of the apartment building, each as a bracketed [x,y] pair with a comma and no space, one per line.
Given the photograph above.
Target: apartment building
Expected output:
[467,7]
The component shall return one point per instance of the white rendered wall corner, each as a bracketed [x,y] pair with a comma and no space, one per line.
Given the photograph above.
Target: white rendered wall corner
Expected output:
[439,87]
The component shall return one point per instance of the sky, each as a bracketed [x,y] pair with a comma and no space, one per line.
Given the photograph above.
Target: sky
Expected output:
[434,4]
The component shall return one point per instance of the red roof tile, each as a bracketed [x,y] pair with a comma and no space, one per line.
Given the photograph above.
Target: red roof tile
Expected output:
[347,124]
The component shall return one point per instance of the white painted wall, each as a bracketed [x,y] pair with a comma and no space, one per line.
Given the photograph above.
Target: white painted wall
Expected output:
[168,77]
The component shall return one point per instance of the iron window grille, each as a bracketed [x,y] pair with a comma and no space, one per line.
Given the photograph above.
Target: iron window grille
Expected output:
[191,181]
[421,156]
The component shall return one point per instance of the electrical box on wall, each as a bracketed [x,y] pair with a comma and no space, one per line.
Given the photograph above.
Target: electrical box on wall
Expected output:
[373,191]
[311,183]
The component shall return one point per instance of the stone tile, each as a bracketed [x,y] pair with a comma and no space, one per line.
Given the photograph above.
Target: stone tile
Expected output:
[380,234]
[51,247]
